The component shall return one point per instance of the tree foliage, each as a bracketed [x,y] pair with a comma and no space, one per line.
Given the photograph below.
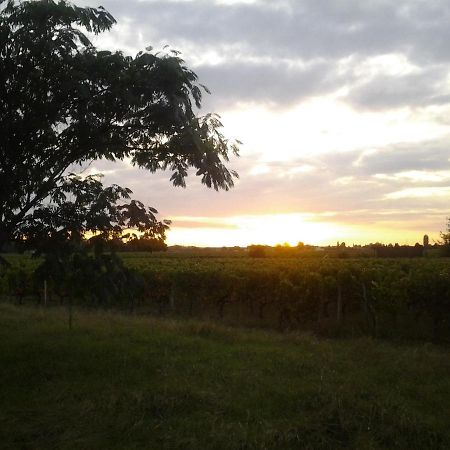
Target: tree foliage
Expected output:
[82,215]
[63,102]
[445,239]
[82,208]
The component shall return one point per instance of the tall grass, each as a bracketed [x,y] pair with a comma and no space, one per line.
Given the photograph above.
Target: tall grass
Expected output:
[116,382]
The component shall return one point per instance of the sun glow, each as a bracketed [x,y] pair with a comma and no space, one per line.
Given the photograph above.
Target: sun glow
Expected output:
[313,229]
[324,124]
[261,229]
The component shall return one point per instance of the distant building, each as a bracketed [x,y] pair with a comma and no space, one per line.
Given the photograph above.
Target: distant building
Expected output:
[426,241]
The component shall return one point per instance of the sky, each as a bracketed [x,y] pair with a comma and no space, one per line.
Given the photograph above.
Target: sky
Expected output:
[343,108]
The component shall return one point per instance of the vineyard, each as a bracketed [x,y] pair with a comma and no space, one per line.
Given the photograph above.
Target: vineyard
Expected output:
[378,297]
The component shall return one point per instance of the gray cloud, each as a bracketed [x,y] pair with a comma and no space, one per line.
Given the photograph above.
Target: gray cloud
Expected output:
[238,82]
[433,155]
[429,87]
[302,29]
[307,31]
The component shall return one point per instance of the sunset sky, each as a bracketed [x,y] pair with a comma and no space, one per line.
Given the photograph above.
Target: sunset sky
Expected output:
[343,108]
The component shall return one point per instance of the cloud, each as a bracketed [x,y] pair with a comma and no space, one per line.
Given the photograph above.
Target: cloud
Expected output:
[418,176]
[180,223]
[344,105]
[276,84]
[331,29]
[422,192]
[430,156]
[260,53]
[326,182]
[429,87]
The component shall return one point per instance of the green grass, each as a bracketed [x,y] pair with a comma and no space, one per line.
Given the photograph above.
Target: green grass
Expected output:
[116,382]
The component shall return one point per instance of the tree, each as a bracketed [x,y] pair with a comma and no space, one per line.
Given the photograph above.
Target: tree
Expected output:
[256,251]
[445,239]
[63,103]
[82,215]
[81,210]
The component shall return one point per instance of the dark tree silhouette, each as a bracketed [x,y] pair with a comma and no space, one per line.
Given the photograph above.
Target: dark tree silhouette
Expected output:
[445,239]
[63,102]
[82,209]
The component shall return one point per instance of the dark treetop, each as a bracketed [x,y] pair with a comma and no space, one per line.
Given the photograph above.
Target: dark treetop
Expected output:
[63,102]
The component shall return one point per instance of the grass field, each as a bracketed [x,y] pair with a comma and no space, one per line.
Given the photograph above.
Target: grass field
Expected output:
[118,382]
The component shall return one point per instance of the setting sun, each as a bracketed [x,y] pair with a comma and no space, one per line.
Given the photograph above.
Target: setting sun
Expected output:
[283,228]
